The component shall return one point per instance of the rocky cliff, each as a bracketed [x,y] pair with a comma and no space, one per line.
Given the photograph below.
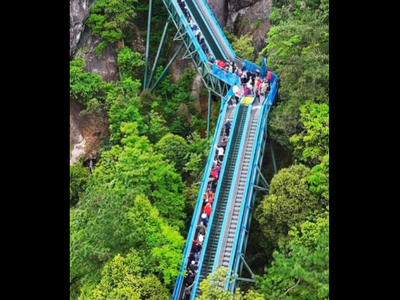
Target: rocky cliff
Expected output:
[243,17]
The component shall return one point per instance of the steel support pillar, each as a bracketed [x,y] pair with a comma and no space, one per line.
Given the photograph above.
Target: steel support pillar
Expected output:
[147,43]
[167,67]
[273,159]
[208,114]
[158,53]
[263,182]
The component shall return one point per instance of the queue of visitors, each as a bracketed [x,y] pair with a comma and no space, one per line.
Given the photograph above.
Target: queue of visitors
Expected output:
[207,206]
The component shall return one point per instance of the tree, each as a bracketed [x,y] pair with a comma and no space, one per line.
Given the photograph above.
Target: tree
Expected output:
[199,149]
[301,271]
[175,103]
[125,278]
[212,287]
[114,220]
[175,149]
[157,127]
[124,106]
[298,51]
[111,20]
[78,177]
[287,205]
[85,86]
[129,62]
[243,46]
[312,143]
[319,180]
[137,166]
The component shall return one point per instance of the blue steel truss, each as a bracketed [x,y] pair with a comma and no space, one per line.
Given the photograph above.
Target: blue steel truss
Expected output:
[217,83]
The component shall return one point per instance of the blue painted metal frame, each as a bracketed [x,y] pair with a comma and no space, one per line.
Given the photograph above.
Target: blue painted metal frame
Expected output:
[194,20]
[229,78]
[230,197]
[249,191]
[188,29]
[216,26]
[197,212]
[185,33]
[216,196]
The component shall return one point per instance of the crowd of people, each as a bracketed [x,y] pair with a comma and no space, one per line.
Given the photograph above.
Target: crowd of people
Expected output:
[207,206]
[228,67]
[251,82]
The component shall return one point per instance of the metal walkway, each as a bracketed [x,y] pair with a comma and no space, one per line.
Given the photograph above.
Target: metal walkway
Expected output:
[227,231]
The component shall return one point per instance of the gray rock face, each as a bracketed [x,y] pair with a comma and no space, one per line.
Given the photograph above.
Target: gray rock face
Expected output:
[244,17]
[236,5]
[106,64]
[253,20]
[82,42]
[220,10]
[78,13]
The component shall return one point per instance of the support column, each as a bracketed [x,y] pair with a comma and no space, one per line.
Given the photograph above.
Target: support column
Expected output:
[167,67]
[208,113]
[147,43]
[247,266]
[273,159]
[158,54]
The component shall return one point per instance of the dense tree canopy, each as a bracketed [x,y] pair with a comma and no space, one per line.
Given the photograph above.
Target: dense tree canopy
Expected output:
[110,19]
[288,203]
[312,143]
[125,278]
[301,271]
[213,288]
[298,50]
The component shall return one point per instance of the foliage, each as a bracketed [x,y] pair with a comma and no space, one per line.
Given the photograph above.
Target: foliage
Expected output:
[116,220]
[78,177]
[123,102]
[288,203]
[138,166]
[155,123]
[230,36]
[157,127]
[298,51]
[312,143]
[257,24]
[319,179]
[122,278]
[85,86]
[213,288]
[111,20]
[300,272]
[175,149]
[175,103]
[244,48]
[197,154]
[128,63]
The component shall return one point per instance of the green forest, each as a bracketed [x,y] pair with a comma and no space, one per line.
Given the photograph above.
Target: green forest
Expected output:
[129,218]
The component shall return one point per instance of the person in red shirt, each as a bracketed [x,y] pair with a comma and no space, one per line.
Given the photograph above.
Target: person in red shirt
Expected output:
[207,209]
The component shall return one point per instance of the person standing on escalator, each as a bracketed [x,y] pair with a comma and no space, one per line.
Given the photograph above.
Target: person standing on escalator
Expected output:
[227,128]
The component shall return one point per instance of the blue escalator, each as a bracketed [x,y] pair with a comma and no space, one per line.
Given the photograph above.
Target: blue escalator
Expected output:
[214,233]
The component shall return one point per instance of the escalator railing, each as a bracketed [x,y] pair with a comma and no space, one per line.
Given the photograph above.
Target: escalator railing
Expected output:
[198,208]
[225,181]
